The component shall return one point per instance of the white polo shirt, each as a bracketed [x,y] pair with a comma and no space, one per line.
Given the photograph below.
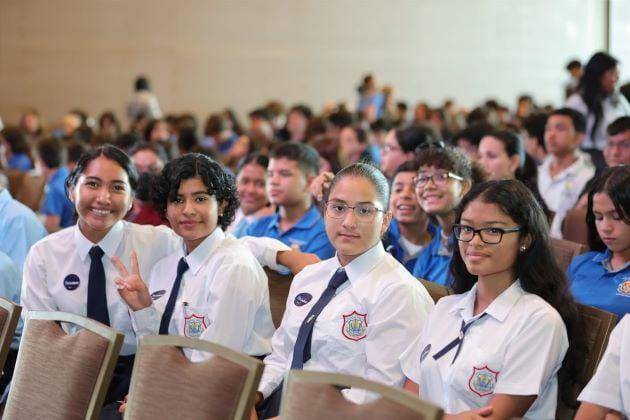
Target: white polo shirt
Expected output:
[223,297]
[56,270]
[517,348]
[562,192]
[610,386]
[362,330]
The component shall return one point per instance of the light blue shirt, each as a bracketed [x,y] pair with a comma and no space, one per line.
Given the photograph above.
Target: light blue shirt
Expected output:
[10,284]
[593,283]
[19,229]
[307,235]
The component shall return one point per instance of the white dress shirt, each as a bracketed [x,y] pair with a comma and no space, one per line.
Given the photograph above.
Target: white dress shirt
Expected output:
[613,107]
[223,297]
[363,329]
[562,192]
[57,268]
[610,386]
[516,349]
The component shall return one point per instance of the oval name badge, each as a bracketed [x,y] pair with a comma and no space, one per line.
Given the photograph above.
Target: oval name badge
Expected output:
[302,299]
[71,282]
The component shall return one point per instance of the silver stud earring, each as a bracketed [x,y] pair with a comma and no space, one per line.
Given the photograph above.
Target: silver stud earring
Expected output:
[523,248]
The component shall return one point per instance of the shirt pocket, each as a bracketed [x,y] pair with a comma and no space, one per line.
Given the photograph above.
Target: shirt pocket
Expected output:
[475,374]
[345,334]
[194,321]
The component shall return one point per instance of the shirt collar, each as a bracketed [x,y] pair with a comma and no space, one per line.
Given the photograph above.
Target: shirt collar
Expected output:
[5,197]
[582,160]
[61,173]
[109,244]
[196,258]
[364,263]
[307,221]
[498,309]
[603,258]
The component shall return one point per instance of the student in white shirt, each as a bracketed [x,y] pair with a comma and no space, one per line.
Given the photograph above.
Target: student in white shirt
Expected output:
[607,395]
[211,288]
[566,170]
[71,270]
[494,349]
[372,307]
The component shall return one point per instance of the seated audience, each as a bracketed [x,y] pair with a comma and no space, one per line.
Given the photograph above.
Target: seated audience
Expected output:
[617,148]
[401,145]
[17,151]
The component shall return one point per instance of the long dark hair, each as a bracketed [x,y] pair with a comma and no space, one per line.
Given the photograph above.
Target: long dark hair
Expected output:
[590,86]
[536,267]
[614,183]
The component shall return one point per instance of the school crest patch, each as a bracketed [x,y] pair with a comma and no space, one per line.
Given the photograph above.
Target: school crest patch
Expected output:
[483,380]
[194,325]
[354,326]
[624,288]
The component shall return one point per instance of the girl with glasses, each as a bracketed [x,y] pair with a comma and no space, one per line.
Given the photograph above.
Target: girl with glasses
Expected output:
[352,313]
[495,349]
[444,177]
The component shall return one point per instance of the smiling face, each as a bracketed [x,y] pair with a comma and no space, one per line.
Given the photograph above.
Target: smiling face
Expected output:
[485,260]
[193,213]
[286,184]
[612,229]
[495,160]
[102,196]
[250,185]
[403,201]
[349,236]
[440,199]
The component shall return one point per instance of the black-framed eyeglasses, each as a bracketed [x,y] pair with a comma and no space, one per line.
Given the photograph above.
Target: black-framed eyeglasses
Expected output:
[489,235]
[363,212]
[438,178]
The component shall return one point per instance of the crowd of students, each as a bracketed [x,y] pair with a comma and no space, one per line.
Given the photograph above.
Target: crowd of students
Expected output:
[160,231]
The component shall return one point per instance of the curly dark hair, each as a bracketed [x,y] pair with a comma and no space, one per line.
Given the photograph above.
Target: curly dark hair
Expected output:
[614,183]
[448,159]
[219,184]
[536,267]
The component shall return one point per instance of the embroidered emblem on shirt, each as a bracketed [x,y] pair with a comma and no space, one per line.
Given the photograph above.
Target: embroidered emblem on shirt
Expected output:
[302,299]
[354,326]
[624,288]
[158,294]
[194,325]
[425,353]
[483,380]
[71,282]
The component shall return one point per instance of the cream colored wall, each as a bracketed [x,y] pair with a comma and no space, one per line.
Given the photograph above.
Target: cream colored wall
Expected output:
[204,55]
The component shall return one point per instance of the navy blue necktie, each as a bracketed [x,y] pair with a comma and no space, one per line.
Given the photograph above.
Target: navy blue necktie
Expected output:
[458,341]
[170,305]
[97,292]
[302,349]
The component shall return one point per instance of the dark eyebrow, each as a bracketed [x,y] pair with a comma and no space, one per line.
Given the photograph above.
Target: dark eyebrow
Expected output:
[95,178]
[491,222]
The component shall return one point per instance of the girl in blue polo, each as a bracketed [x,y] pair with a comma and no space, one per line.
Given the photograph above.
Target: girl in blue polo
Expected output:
[601,278]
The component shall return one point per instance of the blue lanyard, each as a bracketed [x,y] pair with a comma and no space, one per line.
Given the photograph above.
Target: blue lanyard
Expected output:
[458,341]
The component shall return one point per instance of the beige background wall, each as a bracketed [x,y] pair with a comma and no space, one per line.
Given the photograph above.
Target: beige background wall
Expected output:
[204,55]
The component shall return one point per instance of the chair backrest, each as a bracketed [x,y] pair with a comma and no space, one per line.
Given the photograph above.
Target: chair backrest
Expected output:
[279,285]
[58,375]
[9,317]
[435,290]
[222,387]
[15,177]
[565,251]
[598,325]
[574,227]
[31,191]
[315,395]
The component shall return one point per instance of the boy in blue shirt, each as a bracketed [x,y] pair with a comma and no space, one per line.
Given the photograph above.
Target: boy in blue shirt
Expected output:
[57,208]
[297,222]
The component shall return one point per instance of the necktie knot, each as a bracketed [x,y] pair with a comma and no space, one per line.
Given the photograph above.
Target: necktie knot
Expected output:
[338,279]
[96,252]
[182,267]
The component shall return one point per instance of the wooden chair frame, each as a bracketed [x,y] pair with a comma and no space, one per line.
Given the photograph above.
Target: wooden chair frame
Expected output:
[576,249]
[254,367]
[436,291]
[109,361]
[8,329]
[399,396]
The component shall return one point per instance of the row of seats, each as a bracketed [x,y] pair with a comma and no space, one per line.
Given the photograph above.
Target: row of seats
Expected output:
[60,376]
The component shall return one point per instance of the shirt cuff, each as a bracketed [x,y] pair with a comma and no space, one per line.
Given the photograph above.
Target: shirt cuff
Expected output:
[145,321]
[265,250]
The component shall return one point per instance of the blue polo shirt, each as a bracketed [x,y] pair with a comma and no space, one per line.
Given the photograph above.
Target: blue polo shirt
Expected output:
[433,261]
[19,228]
[20,161]
[391,243]
[307,235]
[56,203]
[594,284]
